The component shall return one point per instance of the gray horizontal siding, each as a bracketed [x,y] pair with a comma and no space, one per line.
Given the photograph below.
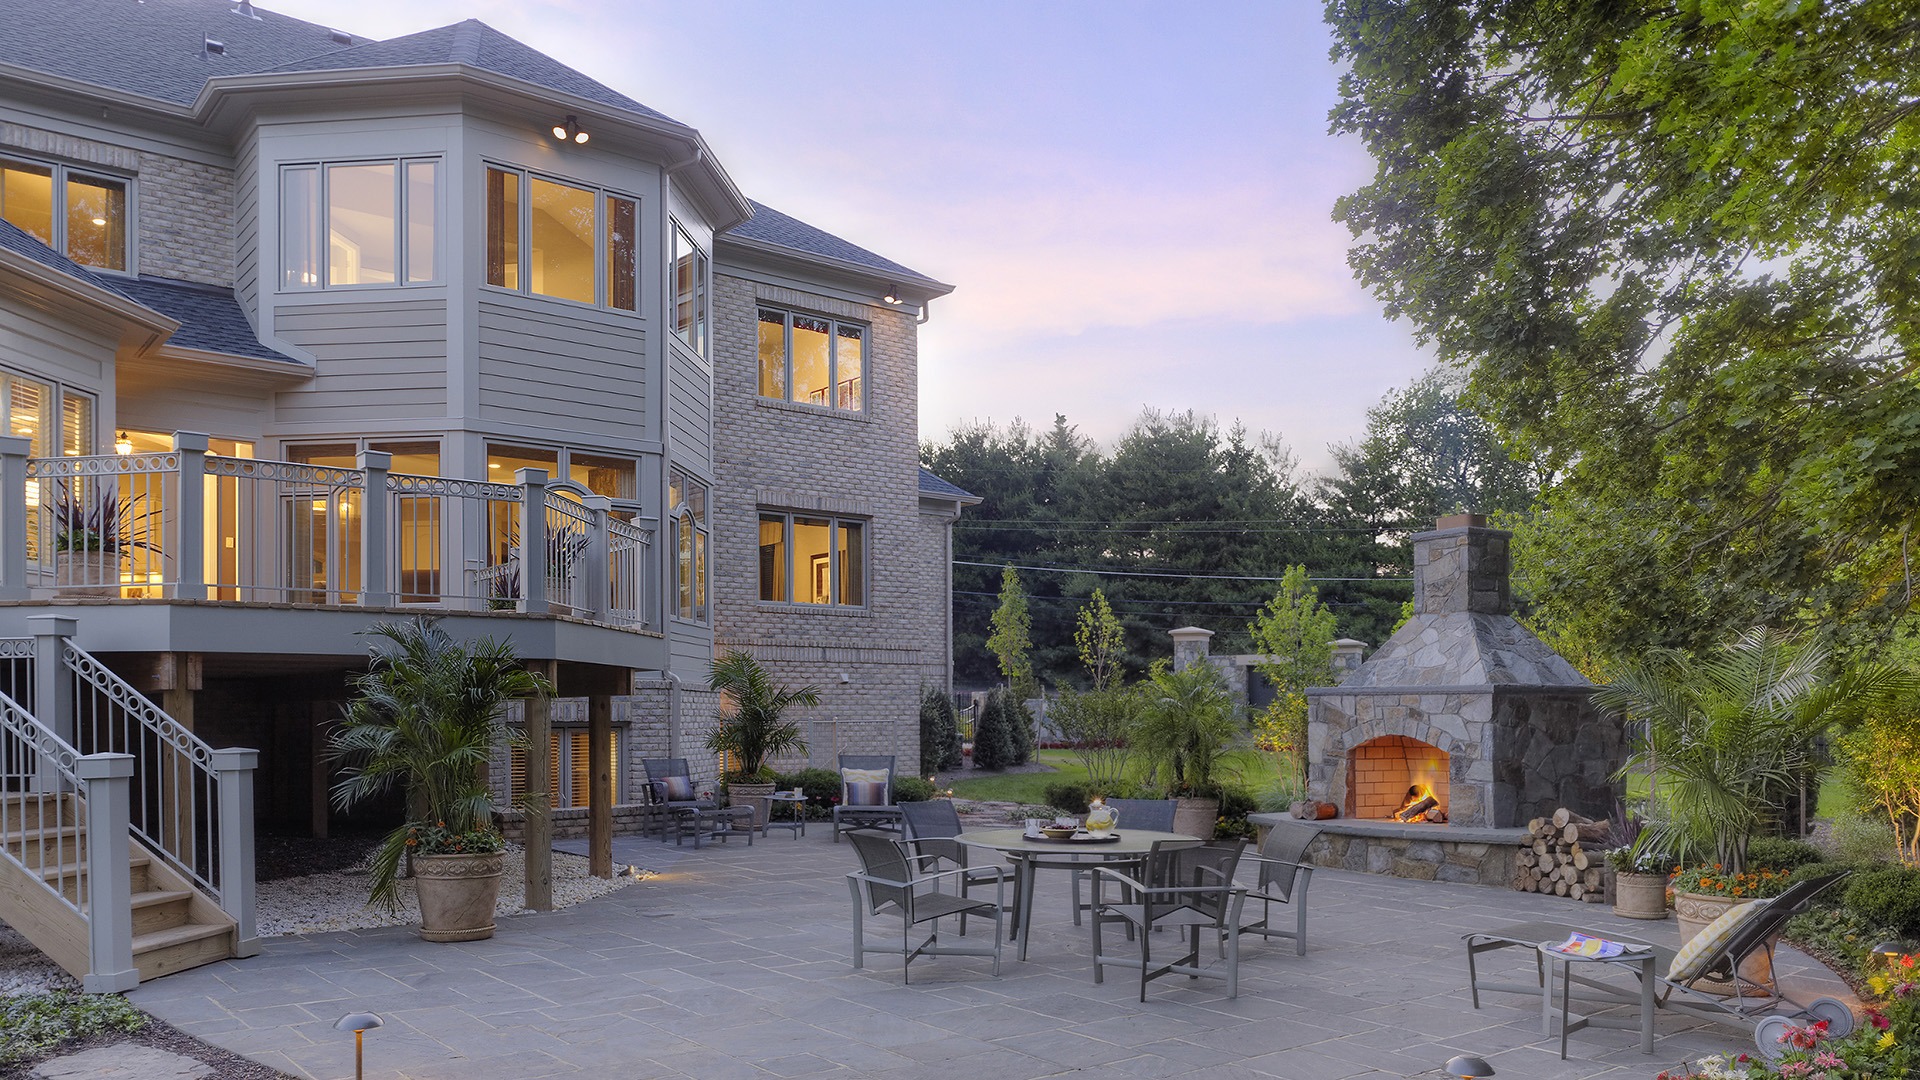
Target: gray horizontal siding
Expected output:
[246,239]
[561,368]
[689,414]
[373,359]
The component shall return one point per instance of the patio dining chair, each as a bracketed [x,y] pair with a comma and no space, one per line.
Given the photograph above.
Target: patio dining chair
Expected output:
[1185,885]
[866,794]
[1281,878]
[890,881]
[933,829]
[1150,815]
[671,788]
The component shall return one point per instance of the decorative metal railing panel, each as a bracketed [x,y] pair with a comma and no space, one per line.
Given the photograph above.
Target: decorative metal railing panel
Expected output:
[629,557]
[96,525]
[570,529]
[38,778]
[454,542]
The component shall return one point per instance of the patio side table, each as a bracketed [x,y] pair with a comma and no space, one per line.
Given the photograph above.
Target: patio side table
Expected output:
[1640,960]
[703,823]
[796,822]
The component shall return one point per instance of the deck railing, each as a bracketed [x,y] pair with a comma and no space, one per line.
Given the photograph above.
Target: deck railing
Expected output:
[188,525]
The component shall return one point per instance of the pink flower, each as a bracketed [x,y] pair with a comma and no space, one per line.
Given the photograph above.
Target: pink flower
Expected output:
[1878,1019]
[1827,1060]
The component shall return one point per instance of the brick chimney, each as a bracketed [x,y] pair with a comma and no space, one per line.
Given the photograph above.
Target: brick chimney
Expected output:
[1462,566]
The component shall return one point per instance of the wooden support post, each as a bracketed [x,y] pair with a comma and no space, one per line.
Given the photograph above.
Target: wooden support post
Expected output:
[539,823]
[178,676]
[600,794]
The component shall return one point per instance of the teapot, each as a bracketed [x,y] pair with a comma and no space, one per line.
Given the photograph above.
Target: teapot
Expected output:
[1101,818]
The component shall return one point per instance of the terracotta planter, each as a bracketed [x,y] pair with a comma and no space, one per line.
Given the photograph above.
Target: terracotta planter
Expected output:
[457,895]
[1196,817]
[754,795]
[1640,896]
[1694,911]
[86,573]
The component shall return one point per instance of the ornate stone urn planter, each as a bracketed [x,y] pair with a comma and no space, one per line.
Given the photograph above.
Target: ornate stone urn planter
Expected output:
[457,894]
[1694,911]
[1196,817]
[1640,896]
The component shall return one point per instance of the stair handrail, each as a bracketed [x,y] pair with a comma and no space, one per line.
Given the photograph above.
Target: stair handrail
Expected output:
[176,745]
[56,765]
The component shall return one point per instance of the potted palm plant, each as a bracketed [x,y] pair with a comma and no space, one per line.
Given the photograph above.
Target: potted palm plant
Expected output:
[753,727]
[425,718]
[1184,729]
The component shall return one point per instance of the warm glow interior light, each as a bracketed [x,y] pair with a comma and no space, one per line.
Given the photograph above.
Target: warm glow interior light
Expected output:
[33,493]
[123,445]
[99,221]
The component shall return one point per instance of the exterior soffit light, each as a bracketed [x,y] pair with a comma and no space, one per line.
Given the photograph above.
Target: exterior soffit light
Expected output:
[568,130]
[892,295]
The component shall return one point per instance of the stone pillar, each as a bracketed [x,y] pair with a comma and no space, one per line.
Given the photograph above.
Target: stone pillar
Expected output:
[1461,567]
[1347,655]
[1190,644]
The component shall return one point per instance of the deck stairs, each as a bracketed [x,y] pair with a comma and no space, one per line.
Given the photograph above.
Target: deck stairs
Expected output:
[130,860]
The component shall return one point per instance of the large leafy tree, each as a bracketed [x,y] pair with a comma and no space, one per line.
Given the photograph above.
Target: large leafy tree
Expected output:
[1674,246]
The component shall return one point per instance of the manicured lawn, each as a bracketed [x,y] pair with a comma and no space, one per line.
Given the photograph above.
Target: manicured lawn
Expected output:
[1253,770]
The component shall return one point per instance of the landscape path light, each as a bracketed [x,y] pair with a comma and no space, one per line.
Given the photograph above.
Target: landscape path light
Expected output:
[1467,1067]
[359,1024]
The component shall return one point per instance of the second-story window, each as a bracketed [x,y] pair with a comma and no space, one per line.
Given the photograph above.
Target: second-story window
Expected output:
[81,215]
[552,238]
[687,513]
[813,360]
[359,223]
[689,291]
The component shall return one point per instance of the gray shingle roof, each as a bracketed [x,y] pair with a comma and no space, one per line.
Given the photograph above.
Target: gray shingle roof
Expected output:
[933,485]
[210,318]
[151,48]
[770,226]
[475,44]
[20,242]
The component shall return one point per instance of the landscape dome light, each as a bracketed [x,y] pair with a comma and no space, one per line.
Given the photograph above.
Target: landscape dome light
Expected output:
[358,1023]
[1467,1067]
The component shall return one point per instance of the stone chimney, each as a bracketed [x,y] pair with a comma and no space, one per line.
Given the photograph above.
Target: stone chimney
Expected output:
[1462,567]
[1190,644]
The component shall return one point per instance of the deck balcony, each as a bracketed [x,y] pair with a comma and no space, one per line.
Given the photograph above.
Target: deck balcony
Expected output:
[185,528]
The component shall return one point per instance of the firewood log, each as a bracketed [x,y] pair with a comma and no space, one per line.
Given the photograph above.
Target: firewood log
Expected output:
[1537,826]
[1539,847]
[1579,857]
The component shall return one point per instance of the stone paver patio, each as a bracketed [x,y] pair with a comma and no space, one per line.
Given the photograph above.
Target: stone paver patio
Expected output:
[735,963]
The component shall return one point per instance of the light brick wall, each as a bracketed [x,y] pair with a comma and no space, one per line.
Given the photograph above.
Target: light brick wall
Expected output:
[794,457]
[183,209]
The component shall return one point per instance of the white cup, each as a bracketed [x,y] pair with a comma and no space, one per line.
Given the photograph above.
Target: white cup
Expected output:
[1034,823]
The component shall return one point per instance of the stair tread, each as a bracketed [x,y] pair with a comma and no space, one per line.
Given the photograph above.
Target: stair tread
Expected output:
[72,868]
[177,935]
[14,835]
[153,897]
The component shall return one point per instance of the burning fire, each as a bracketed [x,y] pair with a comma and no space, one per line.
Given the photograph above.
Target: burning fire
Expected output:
[1420,805]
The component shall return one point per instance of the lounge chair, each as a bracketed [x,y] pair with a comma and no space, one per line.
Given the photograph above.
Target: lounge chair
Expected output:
[866,798]
[890,881]
[1183,884]
[1740,933]
[670,789]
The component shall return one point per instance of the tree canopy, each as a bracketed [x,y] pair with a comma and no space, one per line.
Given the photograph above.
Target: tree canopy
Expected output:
[1674,246]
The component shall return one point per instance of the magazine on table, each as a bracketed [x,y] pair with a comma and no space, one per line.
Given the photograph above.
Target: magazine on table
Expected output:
[1596,948]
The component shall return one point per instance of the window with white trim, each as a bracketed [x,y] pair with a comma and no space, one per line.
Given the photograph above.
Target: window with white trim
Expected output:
[687,520]
[359,223]
[813,360]
[557,238]
[78,213]
[568,761]
[812,559]
[689,290]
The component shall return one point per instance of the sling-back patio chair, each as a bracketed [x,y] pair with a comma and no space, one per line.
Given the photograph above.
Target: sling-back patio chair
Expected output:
[866,794]
[1185,885]
[670,789]
[1282,878]
[933,830]
[890,881]
[1149,815]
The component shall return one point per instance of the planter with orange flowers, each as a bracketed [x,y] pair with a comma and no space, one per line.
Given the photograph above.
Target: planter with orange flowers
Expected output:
[1704,892]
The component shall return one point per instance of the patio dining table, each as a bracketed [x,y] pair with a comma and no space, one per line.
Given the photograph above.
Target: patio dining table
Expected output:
[1028,855]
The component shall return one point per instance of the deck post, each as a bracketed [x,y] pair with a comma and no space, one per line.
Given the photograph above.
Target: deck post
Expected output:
[233,770]
[599,605]
[533,542]
[600,794]
[189,527]
[109,896]
[52,689]
[539,793]
[374,548]
[13,522]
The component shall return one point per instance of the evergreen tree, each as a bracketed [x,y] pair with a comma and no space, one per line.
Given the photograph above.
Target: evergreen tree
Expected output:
[939,732]
[993,746]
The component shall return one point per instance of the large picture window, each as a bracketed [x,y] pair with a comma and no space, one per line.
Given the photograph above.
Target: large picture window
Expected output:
[812,360]
[689,291]
[553,238]
[70,211]
[687,516]
[807,559]
[359,223]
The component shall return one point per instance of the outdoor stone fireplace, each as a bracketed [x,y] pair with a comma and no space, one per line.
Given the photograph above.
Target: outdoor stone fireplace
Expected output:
[1466,700]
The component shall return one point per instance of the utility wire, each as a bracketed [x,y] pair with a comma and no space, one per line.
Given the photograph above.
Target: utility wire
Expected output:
[1159,574]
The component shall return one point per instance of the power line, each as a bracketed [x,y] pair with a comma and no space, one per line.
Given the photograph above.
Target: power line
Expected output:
[1159,574]
[1129,604]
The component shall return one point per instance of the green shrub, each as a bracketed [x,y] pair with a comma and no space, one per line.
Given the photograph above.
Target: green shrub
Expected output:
[822,786]
[1069,796]
[993,746]
[1858,838]
[1020,726]
[1838,933]
[1888,897]
[939,732]
[912,789]
[1778,853]
[37,1023]
[1235,804]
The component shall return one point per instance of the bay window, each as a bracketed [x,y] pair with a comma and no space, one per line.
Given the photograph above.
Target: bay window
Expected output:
[812,360]
[564,240]
[359,223]
[79,214]
[812,559]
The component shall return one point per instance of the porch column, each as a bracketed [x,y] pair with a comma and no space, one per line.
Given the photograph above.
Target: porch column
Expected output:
[189,527]
[13,524]
[533,544]
[374,548]
[539,793]
[52,689]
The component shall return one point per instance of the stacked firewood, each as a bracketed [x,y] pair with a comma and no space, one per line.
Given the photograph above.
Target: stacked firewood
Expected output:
[1563,857]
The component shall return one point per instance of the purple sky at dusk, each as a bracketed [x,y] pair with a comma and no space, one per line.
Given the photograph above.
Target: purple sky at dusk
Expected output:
[1132,198]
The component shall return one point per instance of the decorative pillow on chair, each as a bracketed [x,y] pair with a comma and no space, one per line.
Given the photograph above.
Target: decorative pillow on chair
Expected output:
[677,788]
[1693,958]
[864,787]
